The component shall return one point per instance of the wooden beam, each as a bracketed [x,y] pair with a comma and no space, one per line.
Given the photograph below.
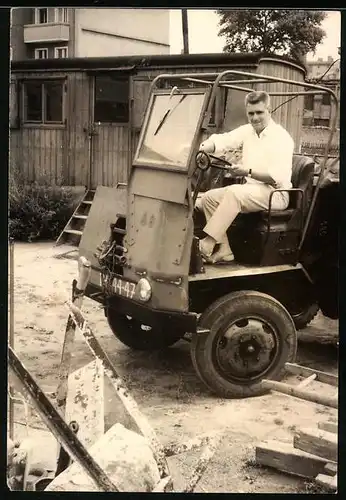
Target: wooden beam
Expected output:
[328,426]
[317,442]
[85,402]
[331,483]
[304,371]
[331,468]
[307,381]
[300,393]
[286,458]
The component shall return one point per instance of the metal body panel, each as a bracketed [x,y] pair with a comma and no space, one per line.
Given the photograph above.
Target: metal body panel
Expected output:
[159,184]
[107,203]
[233,269]
[158,239]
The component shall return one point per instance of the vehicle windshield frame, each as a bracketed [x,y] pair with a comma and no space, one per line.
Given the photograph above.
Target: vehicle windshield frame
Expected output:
[171,167]
[217,80]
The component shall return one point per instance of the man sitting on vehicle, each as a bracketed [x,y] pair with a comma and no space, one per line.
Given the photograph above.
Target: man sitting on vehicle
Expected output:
[267,152]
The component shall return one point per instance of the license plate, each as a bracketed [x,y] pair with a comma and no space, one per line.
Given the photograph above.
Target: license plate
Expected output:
[124,288]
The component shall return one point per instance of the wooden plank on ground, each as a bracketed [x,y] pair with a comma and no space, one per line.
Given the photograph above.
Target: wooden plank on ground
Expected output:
[300,393]
[328,426]
[317,442]
[331,483]
[304,371]
[331,468]
[85,402]
[286,458]
[307,381]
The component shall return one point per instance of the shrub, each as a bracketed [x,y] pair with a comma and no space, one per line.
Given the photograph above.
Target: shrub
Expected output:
[38,211]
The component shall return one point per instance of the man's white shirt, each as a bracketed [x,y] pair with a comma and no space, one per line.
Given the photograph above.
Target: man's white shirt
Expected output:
[270,152]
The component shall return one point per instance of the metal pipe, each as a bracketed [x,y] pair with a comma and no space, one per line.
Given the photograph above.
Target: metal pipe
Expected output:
[255,80]
[235,87]
[197,80]
[321,176]
[167,76]
[317,92]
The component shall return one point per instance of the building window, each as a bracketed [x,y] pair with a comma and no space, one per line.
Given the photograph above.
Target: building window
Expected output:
[43,101]
[41,16]
[111,99]
[309,102]
[60,52]
[61,15]
[41,53]
[321,122]
[326,99]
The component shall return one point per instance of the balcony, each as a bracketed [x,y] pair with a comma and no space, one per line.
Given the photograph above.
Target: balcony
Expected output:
[46,32]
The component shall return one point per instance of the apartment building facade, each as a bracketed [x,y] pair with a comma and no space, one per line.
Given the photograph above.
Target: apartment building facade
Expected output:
[59,32]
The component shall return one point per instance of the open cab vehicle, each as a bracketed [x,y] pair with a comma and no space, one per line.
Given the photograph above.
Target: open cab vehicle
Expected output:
[142,241]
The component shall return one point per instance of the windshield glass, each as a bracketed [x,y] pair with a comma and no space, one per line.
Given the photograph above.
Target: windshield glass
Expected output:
[171,128]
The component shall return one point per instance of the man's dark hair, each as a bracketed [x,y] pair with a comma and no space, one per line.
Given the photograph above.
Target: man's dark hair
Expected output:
[257,96]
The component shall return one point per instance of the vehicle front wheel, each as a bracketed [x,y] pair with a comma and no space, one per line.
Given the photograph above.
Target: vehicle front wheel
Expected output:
[251,337]
[134,334]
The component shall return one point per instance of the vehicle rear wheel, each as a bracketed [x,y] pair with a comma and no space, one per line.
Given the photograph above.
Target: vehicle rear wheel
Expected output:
[134,334]
[304,317]
[251,337]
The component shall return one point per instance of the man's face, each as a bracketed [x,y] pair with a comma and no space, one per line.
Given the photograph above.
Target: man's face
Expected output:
[258,115]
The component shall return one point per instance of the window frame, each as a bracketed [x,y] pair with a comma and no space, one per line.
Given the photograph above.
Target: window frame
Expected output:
[64,16]
[56,49]
[116,78]
[219,106]
[23,106]
[309,100]
[14,104]
[37,14]
[38,49]
[326,97]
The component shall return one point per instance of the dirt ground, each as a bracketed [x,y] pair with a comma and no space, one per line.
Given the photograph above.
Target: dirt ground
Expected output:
[164,384]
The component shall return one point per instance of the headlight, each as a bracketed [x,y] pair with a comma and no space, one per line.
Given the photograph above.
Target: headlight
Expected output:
[144,289]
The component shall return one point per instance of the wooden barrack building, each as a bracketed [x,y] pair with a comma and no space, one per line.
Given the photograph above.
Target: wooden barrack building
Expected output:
[77,121]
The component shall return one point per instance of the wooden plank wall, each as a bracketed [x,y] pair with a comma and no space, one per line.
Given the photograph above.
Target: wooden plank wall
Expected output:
[77,163]
[67,154]
[58,154]
[110,154]
[38,151]
[289,115]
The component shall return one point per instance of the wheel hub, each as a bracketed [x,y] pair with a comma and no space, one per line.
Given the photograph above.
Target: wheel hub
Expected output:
[245,349]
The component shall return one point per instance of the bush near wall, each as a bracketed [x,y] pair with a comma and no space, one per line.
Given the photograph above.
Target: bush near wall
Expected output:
[39,211]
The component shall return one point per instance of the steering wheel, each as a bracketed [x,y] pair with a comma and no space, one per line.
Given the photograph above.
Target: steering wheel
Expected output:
[204,161]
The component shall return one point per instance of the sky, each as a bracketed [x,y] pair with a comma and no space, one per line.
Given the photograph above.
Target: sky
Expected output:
[203,33]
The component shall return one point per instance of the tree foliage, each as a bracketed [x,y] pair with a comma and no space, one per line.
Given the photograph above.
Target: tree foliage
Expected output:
[287,32]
